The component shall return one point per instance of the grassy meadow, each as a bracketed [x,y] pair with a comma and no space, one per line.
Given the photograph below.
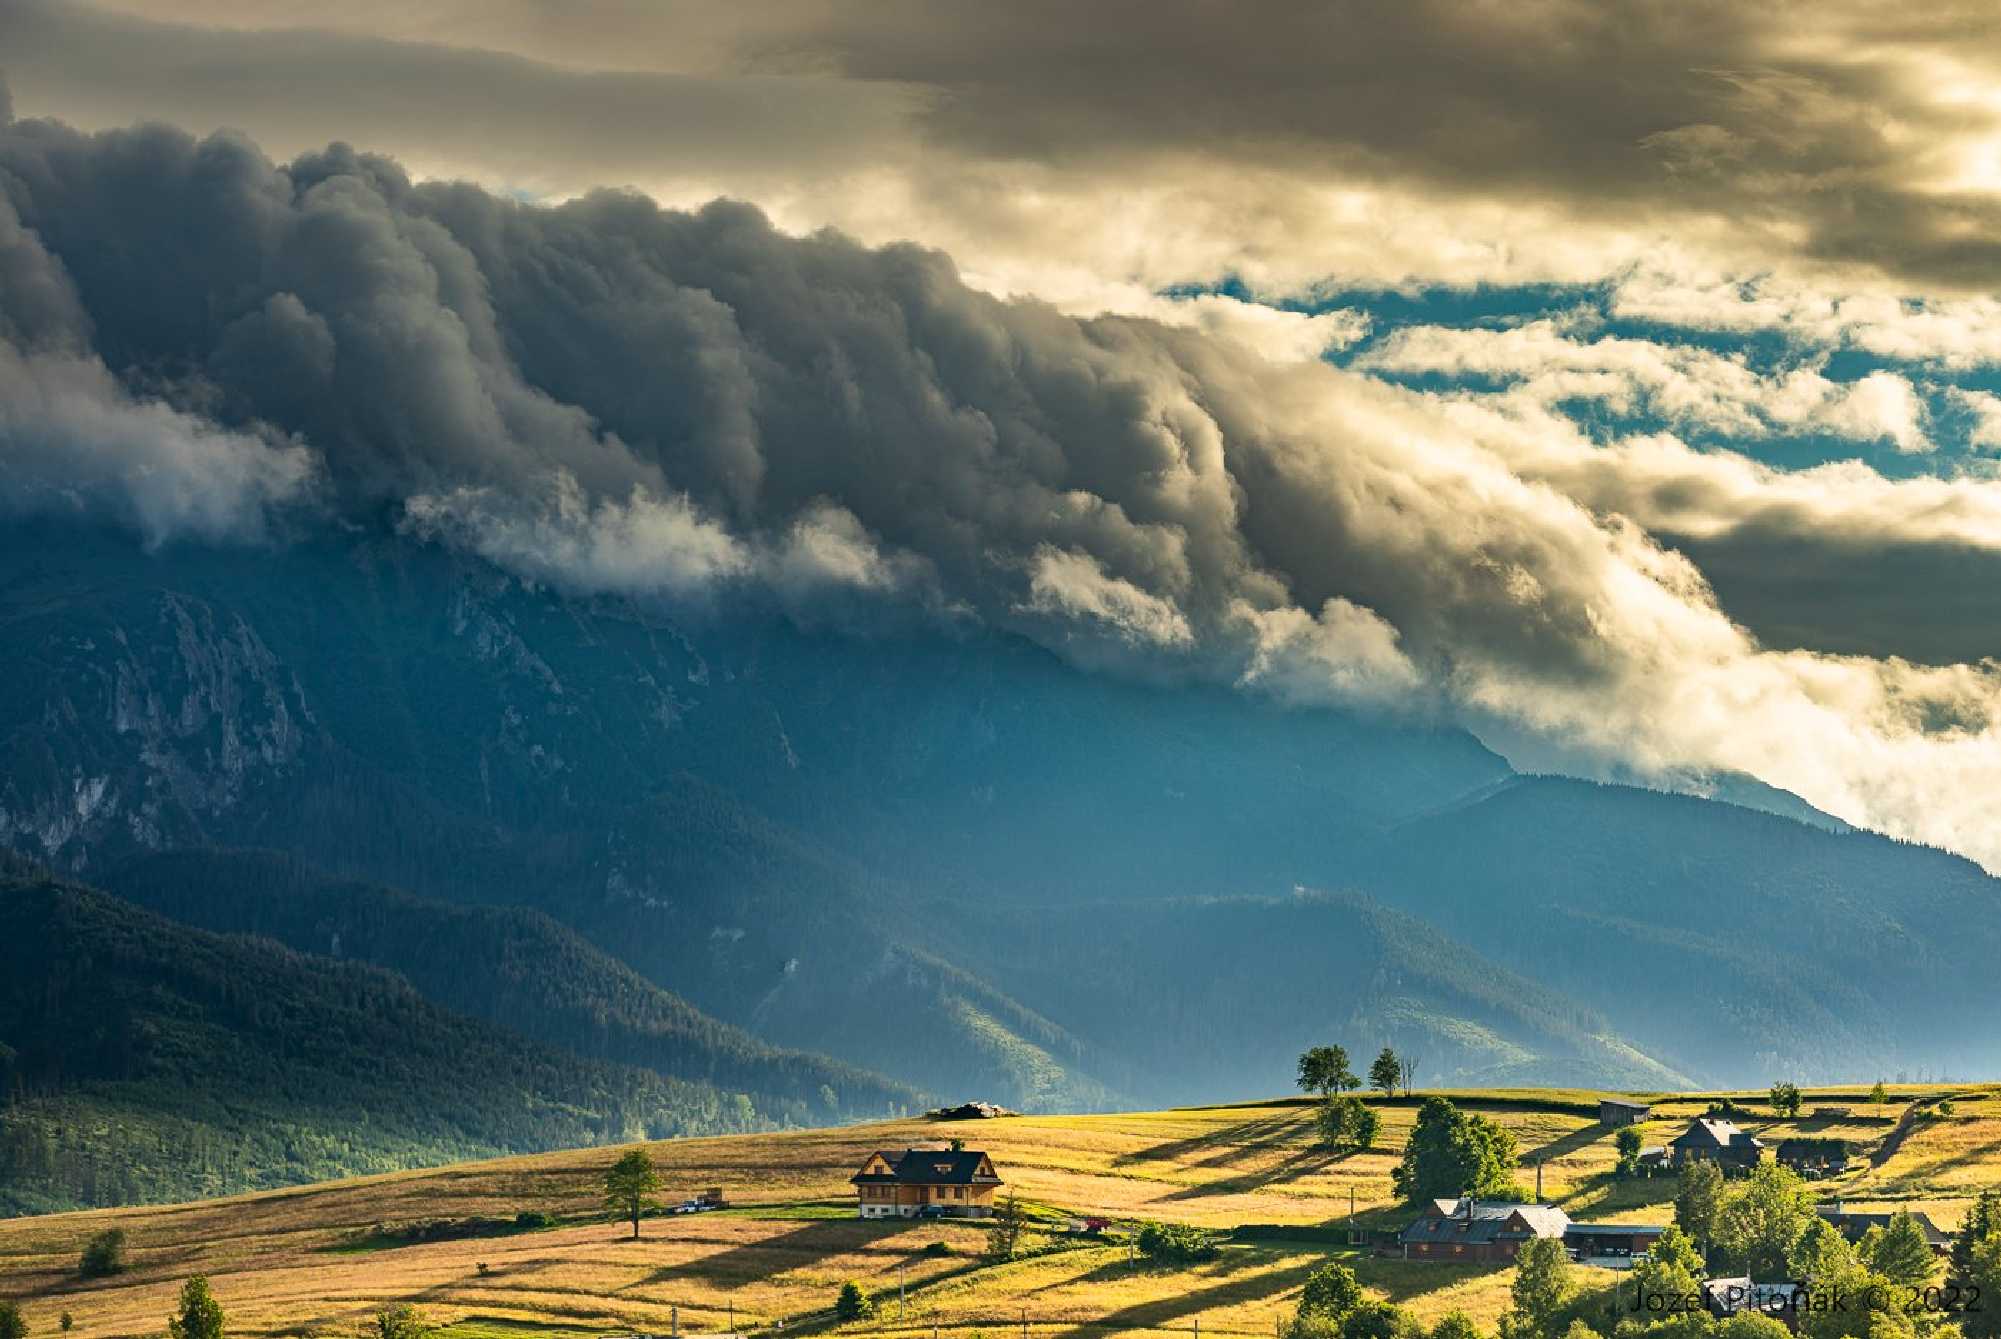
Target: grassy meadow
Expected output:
[311,1261]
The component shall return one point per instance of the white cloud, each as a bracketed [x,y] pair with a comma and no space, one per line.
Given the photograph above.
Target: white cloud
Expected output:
[75,442]
[1075,586]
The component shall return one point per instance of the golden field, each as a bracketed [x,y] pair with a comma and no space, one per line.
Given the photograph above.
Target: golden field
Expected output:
[292,1263]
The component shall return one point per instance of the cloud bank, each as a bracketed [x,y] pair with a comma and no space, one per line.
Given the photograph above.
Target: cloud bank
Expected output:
[609,396]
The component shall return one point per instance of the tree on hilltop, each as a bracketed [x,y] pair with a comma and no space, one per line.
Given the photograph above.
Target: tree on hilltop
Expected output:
[630,1187]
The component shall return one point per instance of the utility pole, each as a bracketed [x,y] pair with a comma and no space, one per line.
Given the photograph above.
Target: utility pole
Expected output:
[1538,1180]
[675,1312]
[732,1315]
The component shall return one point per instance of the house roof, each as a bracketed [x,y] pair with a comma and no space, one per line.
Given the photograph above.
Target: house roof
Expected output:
[1612,1230]
[929,1167]
[1477,1223]
[1710,1132]
[1853,1225]
[1623,1102]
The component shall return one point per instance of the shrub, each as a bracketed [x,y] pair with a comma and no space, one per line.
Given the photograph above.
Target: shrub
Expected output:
[103,1255]
[12,1326]
[938,1248]
[533,1220]
[400,1322]
[853,1303]
[1175,1243]
[1330,1290]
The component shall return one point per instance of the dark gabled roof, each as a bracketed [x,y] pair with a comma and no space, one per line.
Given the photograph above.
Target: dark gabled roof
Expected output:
[1611,1229]
[1812,1147]
[1624,1102]
[1455,1221]
[929,1167]
[1710,1132]
[1853,1225]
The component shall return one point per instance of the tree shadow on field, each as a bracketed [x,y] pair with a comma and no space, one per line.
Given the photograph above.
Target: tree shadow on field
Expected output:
[1301,1162]
[804,1246]
[1225,1139]
[1161,1313]
[1562,1144]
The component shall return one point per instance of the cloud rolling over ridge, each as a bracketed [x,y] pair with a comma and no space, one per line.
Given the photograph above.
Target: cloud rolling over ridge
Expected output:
[607,396]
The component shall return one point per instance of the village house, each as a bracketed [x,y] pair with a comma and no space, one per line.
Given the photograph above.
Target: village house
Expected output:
[1466,1229]
[1813,1158]
[1614,1112]
[1711,1139]
[926,1183]
[1852,1225]
[1724,1298]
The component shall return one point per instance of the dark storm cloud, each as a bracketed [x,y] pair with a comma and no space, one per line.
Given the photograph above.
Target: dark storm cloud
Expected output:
[1832,131]
[605,395]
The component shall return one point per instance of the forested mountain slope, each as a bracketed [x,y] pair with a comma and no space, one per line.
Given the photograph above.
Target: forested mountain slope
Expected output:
[145,1060]
[508,965]
[1734,943]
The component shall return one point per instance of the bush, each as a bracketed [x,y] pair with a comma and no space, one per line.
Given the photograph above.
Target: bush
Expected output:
[533,1220]
[938,1248]
[1175,1243]
[853,1303]
[400,1322]
[1331,1290]
[12,1326]
[103,1255]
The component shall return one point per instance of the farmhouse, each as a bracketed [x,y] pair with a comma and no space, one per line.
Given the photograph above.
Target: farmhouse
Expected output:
[1613,1111]
[1853,1225]
[1610,1245]
[1781,1301]
[1813,1157]
[1465,1229]
[953,1183]
[1710,1139]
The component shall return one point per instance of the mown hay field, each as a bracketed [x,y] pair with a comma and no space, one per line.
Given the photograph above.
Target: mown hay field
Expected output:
[296,1262]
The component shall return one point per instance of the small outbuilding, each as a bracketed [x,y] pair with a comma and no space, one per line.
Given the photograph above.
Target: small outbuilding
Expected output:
[1616,1111]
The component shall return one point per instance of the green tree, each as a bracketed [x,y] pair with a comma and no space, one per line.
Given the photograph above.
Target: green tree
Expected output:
[1673,1268]
[1698,1200]
[1983,1271]
[1901,1254]
[1785,1099]
[1451,1152]
[68,1322]
[1751,1325]
[1577,1329]
[1379,1320]
[1982,1217]
[1004,1235]
[1541,1288]
[1330,1290]
[1879,1095]
[630,1187]
[1627,1143]
[1386,1072]
[400,1322]
[12,1325]
[1347,1122]
[103,1255]
[1822,1252]
[853,1303]
[1324,1070]
[199,1315]
[1455,1324]
[1759,1226]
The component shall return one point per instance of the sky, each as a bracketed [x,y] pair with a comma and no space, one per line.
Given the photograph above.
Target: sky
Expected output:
[1620,380]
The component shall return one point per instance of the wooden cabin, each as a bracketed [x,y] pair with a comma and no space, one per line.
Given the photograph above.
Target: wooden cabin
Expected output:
[929,1183]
